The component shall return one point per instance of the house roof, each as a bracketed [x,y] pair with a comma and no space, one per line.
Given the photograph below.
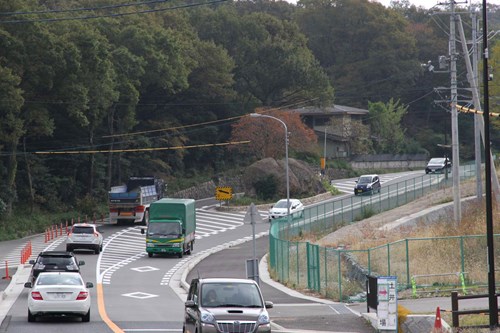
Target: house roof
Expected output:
[330,110]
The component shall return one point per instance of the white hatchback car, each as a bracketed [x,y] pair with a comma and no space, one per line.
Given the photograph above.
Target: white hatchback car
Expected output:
[279,209]
[84,236]
[59,293]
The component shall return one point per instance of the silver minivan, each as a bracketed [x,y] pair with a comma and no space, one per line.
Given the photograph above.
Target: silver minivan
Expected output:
[216,305]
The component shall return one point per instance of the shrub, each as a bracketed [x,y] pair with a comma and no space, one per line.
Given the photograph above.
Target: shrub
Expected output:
[266,188]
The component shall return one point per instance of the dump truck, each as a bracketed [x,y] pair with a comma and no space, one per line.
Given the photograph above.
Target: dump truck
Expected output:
[129,203]
[171,228]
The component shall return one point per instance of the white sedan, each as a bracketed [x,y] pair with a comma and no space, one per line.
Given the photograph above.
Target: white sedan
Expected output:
[59,293]
[279,209]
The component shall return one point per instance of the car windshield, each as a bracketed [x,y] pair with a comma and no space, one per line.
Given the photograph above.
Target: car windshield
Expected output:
[52,279]
[228,294]
[281,204]
[164,228]
[56,261]
[365,180]
[83,230]
[436,161]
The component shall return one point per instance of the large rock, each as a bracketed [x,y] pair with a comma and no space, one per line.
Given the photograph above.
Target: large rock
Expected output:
[303,180]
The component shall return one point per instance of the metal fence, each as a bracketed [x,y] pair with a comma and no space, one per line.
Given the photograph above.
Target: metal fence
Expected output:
[337,273]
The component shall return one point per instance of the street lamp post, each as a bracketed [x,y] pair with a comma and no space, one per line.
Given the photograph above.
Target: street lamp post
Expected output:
[259,115]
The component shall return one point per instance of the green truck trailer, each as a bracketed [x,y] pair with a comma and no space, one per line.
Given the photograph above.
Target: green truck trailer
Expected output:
[171,227]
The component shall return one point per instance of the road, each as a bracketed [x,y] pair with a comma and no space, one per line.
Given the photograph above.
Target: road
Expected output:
[135,293]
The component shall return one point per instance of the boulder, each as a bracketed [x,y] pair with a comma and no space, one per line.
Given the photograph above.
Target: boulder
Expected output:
[303,181]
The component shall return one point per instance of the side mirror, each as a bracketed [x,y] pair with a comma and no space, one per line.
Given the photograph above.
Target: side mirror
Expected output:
[189,304]
[269,304]
[27,285]
[32,262]
[89,285]
[81,263]
[142,231]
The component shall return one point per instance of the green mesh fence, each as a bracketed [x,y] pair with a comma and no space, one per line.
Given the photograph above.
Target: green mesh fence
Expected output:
[336,273]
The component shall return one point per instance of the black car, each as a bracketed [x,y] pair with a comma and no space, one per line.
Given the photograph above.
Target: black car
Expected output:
[54,261]
[438,165]
[367,184]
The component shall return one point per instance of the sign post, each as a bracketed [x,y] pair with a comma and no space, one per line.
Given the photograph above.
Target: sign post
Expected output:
[250,217]
[387,309]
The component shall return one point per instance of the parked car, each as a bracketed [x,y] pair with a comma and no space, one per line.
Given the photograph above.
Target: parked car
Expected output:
[84,236]
[59,293]
[54,261]
[279,209]
[226,305]
[438,165]
[367,184]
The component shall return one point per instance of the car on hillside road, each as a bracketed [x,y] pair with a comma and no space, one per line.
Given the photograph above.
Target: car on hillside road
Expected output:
[59,293]
[216,305]
[54,261]
[279,209]
[438,165]
[84,236]
[367,184]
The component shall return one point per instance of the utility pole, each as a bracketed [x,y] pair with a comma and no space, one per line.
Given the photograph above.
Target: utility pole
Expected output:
[457,211]
[492,298]
[477,118]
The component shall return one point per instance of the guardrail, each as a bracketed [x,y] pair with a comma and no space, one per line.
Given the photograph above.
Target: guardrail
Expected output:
[330,270]
[456,313]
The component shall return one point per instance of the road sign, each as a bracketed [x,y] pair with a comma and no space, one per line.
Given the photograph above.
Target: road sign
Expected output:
[223,193]
[387,309]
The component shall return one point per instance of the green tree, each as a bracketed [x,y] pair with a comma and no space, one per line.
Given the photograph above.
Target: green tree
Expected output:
[385,126]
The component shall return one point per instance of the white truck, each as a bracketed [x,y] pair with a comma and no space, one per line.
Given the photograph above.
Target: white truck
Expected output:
[129,203]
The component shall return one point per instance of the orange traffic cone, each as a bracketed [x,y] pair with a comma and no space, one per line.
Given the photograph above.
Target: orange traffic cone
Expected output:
[438,326]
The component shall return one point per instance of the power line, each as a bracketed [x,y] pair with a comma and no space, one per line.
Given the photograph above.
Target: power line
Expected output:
[113,15]
[57,11]
[134,150]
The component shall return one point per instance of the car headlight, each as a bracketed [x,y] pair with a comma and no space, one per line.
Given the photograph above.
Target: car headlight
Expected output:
[176,244]
[207,317]
[369,186]
[263,319]
[150,245]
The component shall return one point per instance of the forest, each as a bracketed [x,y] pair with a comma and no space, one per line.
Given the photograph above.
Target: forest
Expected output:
[94,91]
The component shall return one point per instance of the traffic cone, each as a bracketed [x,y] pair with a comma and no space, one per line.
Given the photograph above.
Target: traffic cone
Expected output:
[438,325]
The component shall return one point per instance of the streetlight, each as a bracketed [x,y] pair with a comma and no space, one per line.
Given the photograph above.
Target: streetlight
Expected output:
[259,115]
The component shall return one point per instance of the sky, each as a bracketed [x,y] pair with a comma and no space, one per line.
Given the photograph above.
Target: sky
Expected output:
[430,3]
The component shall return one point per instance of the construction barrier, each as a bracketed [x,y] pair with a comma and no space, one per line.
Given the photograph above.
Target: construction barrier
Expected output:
[7,276]
[26,252]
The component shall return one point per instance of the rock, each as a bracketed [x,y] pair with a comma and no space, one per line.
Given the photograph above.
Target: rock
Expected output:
[303,180]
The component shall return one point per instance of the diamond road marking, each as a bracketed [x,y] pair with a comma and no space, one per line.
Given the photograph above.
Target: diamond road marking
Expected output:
[145,269]
[140,295]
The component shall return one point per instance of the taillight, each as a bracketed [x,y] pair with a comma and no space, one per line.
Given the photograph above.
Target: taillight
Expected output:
[36,295]
[82,295]
[140,209]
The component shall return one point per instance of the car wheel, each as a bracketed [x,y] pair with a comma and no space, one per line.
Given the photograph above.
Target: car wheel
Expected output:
[86,317]
[150,255]
[181,253]
[100,247]
[97,249]
[31,317]
[190,248]
[69,248]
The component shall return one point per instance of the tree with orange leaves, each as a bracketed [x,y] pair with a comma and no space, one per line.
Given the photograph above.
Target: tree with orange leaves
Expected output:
[267,135]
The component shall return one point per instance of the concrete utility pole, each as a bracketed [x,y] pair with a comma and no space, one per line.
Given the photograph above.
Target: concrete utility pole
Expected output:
[472,77]
[457,211]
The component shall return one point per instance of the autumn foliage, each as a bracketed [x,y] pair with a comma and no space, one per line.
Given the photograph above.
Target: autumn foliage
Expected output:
[267,135]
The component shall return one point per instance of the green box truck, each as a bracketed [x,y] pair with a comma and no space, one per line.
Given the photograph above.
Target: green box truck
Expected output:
[171,227]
